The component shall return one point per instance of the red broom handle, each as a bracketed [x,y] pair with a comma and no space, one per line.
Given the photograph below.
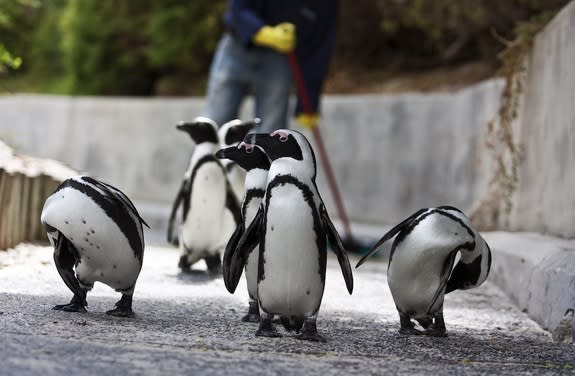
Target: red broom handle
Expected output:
[302,91]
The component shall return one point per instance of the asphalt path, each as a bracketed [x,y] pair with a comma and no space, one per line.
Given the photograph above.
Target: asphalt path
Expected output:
[189,324]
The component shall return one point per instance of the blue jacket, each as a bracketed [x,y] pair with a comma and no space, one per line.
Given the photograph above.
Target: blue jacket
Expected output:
[315,22]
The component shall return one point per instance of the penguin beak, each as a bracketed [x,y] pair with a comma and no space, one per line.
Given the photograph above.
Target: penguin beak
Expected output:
[221,154]
[251,138]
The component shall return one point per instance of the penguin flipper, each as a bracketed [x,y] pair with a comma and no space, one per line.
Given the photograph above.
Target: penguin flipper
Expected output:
[250,238]
[65,257]
[337,248]
[175,206]
[390,234]
[229,253]
[444,276]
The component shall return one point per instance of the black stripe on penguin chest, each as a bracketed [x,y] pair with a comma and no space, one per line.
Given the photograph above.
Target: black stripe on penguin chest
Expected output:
[115,212]
[320,238]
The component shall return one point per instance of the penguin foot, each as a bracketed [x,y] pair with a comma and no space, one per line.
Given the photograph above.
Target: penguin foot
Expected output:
[251,317]
[183,264]
[121,312]
[70,307]
[435,332]
[313,337]
[214,264]
[253,314]
[266,329]
[309,332]
[410,331]
[123,307]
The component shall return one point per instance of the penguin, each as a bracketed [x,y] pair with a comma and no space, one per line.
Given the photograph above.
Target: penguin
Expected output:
[231,134]
[207,200]
[421,265]
[97,236]
[292,228]
[256,164]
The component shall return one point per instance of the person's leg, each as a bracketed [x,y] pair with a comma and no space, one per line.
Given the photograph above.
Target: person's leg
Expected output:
[228,81]
[272,84]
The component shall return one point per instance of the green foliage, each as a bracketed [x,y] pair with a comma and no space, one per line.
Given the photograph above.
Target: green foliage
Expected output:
[14,16]
[425,33]
[7,60]
[143,47]
[123,48]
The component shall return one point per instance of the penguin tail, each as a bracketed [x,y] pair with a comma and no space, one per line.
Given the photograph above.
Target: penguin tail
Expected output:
[292,323]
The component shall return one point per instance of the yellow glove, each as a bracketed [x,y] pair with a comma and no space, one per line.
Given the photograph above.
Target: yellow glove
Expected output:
[280,37]
[308,120]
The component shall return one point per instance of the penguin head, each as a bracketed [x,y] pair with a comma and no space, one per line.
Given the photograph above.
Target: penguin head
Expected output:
[247,156]
[284,144]
[471,272]
[201,129]
[233,132]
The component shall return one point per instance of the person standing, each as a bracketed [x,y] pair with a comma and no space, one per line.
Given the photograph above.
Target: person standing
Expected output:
[251,58]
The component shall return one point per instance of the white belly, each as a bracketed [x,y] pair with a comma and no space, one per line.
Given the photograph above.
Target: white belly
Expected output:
[253,259]
[414,277]
[292,283]
[208,224]
[105,253]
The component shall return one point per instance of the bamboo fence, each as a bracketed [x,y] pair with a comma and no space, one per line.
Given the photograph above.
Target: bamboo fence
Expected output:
[25,183]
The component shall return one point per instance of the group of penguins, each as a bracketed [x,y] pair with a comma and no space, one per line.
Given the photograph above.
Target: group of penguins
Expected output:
[254,196]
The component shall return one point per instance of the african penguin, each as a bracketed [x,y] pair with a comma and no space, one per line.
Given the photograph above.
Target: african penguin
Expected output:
[421,265]
[292,228]
[256,164]
[207,201]
[97,236]
[231,134]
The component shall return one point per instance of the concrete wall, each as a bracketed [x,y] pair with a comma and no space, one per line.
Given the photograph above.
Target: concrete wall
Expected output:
[544,201]
[391,154]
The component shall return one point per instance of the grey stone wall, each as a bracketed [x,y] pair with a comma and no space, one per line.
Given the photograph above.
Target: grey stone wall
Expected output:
[391,154]
[544,200]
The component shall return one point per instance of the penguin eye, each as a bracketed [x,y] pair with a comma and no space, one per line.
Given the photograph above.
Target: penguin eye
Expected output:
[249,150]
[283,137]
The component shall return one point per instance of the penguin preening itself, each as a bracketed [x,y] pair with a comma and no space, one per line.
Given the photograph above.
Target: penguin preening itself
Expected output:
[97,236]
[292,228]
[421,265]
[209,205]
[256,164]
[231,134]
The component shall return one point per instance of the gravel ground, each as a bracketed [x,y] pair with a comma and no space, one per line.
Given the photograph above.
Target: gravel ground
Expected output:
[190,324]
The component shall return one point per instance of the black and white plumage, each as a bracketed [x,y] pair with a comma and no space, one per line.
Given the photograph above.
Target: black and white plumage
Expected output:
[292,228]
[210,209]
[256,164]
[97,236]
[421,264]
[231,134]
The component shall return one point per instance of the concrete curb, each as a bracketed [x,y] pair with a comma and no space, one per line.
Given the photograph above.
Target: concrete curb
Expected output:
[536,271]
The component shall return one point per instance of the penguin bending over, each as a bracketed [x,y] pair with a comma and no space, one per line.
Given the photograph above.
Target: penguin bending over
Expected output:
[97,236]
[256,164]
[421,265]
[207,201]
[231,134]
[292,228]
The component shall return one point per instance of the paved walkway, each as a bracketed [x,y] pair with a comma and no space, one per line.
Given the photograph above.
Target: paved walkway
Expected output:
[189,324]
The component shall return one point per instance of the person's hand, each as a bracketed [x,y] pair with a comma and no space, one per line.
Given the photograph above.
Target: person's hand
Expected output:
[280,37]
[308,120]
